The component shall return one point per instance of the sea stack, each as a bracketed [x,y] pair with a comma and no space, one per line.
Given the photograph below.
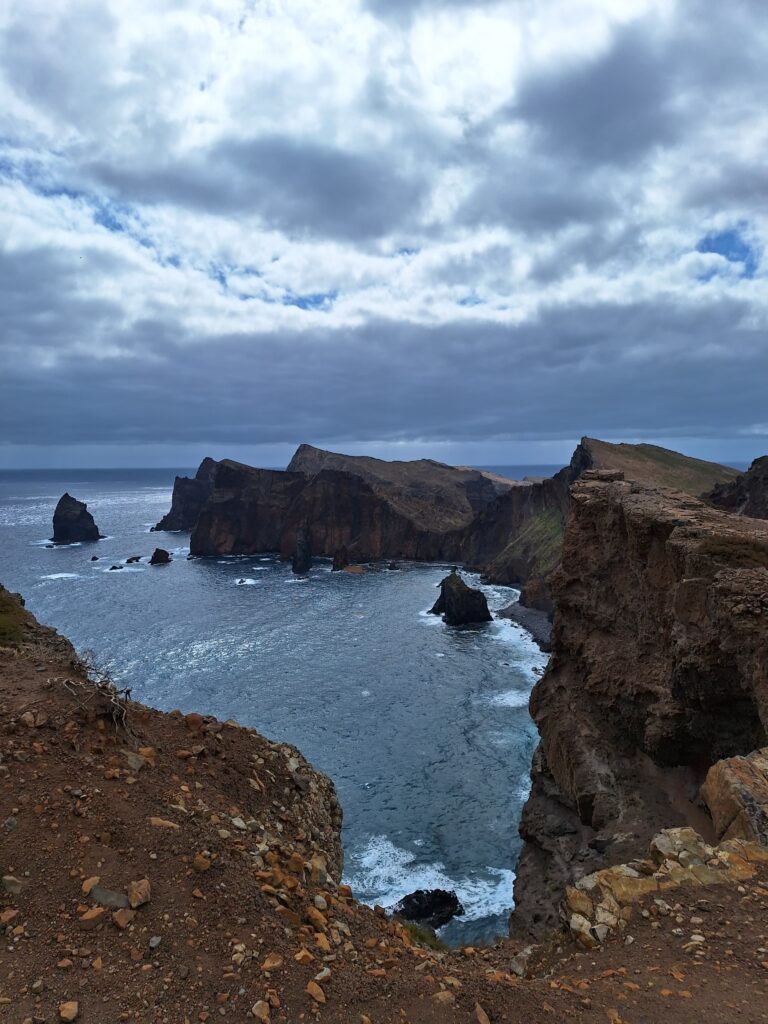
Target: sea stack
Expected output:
[160,557]
[302,556]
[72,522]
[459,604]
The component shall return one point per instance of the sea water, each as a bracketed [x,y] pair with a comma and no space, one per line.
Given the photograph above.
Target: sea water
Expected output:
[423,728]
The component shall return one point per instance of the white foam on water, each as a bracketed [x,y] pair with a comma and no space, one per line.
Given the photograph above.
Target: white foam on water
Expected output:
[61,576]
[247,582]
[511,699]
[365,693]
[385,873]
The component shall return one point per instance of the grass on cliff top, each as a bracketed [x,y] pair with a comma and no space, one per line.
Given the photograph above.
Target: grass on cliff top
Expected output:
[660,467]
[13,618]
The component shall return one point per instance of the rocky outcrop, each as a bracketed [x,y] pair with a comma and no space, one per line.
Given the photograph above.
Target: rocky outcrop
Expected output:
[340,559]
[459,604]
[432,908]
[189,497]
[736,793]
[160,557]
[72,522]
[605,901]
[747,495]
[302,554]
[657,672]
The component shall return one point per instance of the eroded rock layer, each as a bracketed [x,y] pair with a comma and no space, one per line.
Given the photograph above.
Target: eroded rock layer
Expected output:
[659,669]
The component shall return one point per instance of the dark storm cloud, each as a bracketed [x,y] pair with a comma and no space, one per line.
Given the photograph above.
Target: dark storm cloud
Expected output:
[611,109]
[644,367]
[300,187]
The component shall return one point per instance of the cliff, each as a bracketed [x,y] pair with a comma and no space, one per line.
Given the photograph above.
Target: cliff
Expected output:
[512,530]
[188,498]
[658,671]
[747,495]
[435,497]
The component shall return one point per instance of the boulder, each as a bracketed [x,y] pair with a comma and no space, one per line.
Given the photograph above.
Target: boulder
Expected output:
[72,522]
[430,907]
[460,604]
[393,566]
[302,555]
[160,557]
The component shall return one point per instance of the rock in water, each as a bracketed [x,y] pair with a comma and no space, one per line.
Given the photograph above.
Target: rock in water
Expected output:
[160,557]
[460,604]
[340,559]
[72,522]
[430,907]
[302,556]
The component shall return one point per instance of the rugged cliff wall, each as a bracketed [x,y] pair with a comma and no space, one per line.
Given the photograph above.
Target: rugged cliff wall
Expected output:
[747,495]
[189,497]
[659,669]
[246,511]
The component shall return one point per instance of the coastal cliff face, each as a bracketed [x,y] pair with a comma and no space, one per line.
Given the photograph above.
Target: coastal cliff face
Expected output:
[747,495]
[424,510]
[659,669]
[246,512]
[189,497]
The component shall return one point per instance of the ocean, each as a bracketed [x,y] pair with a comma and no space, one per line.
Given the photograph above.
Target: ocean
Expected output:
[424,729]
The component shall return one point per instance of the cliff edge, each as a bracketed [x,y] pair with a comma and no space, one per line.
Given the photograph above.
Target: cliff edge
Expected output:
[658,671]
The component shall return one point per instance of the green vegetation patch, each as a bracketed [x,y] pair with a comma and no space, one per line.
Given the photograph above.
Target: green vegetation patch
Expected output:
[536,549]
[13,619]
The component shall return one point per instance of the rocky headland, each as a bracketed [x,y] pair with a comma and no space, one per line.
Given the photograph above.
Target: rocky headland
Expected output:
[657,673]
[370,510]
[72,522]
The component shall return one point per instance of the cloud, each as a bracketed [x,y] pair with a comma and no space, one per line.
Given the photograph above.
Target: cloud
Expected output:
[368,223]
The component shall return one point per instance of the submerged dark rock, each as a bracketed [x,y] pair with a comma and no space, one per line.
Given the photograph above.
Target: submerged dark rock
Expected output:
[430,907]
[72,522]
[133,559]
[393,566]
[459,604]
[160,557]
[302,555]
[340,559]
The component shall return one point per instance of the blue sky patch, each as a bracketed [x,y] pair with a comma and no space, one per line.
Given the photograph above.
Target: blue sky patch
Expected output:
[731,245]
[315,300]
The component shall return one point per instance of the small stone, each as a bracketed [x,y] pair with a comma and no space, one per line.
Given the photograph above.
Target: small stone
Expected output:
[123,918]
[480,1015]
[272,962]
[91,918]
[261,1011]
[89,883]
[155,941]
[303,956]
[201,863]
[12,884]
[139,893]
[69,1010]
[314,990]
[321,903]
[108,897]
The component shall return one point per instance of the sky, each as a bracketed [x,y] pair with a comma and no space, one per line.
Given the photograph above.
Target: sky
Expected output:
[461,229]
